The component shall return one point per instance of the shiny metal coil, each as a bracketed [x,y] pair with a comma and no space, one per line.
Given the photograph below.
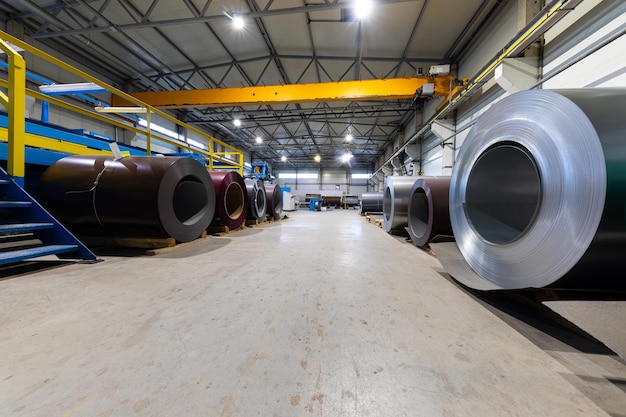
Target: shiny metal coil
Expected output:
[372,202]
[132,196]
[538,190]
[396,201]
[428,214]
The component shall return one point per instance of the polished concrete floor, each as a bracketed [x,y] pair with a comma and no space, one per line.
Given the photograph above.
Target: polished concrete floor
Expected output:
[319,314]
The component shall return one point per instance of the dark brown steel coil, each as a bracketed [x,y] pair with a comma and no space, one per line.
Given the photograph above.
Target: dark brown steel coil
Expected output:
[132,196]
[331,201]
[428,211]
[274,201]
[257,202]
[232,199]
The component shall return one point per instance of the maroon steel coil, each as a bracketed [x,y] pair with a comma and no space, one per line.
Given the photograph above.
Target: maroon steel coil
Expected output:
[428,212]
[232,199]
[134,196]
[274,201]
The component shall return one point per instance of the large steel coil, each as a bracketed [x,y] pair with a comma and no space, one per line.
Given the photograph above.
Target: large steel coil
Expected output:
[257,205]
[538,191]
[274,201]
[231,199]
[396,202]
[372,202]
[428,214]
[331,201]
[132,196]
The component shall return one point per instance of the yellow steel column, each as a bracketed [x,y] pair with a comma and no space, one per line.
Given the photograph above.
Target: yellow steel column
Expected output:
[15,103]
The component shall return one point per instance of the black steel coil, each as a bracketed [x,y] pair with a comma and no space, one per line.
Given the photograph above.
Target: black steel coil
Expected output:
[428,210]
[274,201]
[257,202]
[372,202]
[132,196]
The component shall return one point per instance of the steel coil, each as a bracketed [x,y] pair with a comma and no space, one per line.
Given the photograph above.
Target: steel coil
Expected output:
[132,196]
[372,202]
[428,210]
[331,201]
[396,202]
[257,205]
[537,194]
[274,201]
[231,199]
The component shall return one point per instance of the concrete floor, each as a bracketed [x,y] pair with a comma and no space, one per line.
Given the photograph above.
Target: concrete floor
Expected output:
[320,314]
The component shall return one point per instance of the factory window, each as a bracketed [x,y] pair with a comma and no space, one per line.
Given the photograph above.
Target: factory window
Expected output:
[299,175]
[361,176]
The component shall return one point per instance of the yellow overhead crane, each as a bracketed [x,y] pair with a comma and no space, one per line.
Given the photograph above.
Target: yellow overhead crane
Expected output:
[384,89]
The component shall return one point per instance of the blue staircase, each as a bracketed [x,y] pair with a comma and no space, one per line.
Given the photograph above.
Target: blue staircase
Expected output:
[28,231]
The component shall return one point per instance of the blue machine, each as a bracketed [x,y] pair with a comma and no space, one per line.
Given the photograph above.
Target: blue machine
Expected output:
[261,171]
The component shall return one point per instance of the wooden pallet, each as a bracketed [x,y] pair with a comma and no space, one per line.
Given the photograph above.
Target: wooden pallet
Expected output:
[254,222]
[218,230]
[149,243]
[157,251]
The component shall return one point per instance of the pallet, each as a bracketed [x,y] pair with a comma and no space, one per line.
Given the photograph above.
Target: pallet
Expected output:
[223,230]
[157,251]
[149,243]
[128,242]
[254,222]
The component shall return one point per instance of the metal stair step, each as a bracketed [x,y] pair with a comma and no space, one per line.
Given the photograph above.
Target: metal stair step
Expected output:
[9,204]
[23,254]
[24,227]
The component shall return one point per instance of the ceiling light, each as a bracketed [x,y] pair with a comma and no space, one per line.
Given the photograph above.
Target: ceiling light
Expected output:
[237,122]
[346,157]
[317,158]
[362,8]
[238,22]
[259,139]
[120,109]
[73,88]
[283,158]
[349,138]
